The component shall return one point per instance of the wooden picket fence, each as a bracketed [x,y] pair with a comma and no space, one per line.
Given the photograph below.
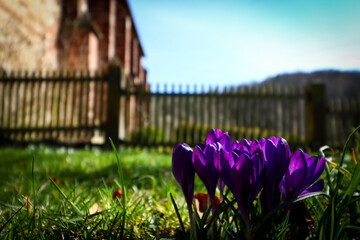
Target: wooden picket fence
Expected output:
[79,108]
[52,107]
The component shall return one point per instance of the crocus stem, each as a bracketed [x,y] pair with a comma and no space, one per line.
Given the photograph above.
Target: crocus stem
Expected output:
[249,233]
[190,211]
[211,202]
[245,216]
[192,227]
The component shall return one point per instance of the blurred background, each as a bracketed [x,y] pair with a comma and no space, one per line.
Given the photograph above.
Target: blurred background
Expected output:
[235,42]
[159,72]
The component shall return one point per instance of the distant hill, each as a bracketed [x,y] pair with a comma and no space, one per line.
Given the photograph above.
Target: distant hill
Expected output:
[338,84]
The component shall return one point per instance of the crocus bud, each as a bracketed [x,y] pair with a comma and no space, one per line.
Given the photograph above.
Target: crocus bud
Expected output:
[183,171]
[203,162]
[303,171]
[276,153]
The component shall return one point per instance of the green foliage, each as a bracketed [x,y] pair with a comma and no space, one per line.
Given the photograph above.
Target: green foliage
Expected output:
[64,193]
[338,215]
[147,136]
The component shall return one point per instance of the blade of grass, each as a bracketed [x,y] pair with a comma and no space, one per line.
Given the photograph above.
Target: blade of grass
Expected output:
[107,190]
[285,204]
[136,204]
[345,172]
[32,224]
[339,176]
[357,228]
[332,220]
[96,225]
[339,232]
[330,183]
[351,201]
[284,226]
[9,220]
[321,232]
[112,225]
[347,143]
[122,188]
[179,217]
[354,183]
[75,208]
[317,213]
[40,232]
[205,216]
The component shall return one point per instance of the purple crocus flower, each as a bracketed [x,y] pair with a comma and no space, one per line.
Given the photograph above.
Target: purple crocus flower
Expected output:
[183,171]
[302,172]
[241,173]
[216,135]
[276,153]
[203,162]
[249,147]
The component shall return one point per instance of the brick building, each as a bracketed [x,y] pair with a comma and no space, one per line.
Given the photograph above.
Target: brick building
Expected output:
[70,34]
[73,35]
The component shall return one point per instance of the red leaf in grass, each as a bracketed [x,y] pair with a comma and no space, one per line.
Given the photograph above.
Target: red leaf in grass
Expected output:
[117,193]
[201,202]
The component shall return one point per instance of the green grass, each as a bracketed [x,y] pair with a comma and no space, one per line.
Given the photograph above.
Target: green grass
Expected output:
[51,193]
[83,178]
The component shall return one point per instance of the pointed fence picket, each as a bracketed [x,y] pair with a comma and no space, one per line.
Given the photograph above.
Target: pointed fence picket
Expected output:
[56,107]
[82,108]
[245,112]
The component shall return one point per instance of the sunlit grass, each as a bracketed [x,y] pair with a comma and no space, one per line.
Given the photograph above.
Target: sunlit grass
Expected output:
[79,203]
[64,193]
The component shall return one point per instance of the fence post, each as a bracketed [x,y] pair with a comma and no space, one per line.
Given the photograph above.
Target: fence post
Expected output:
[113,105]
[315,114]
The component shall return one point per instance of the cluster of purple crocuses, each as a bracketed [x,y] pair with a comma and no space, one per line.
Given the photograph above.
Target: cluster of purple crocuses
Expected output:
[247,167]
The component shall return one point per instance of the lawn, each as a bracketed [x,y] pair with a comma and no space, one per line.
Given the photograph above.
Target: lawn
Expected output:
[131,193]
[82,206]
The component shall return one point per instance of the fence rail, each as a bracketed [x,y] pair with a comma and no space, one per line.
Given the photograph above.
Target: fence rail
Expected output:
[60,107]
[83,109]
[250,112]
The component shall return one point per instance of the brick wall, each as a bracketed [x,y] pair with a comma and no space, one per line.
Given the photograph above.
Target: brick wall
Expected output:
[121,14]
[53,34]
[99,12]
[28,34]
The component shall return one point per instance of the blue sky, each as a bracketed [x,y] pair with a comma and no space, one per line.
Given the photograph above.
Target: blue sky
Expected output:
[232,42]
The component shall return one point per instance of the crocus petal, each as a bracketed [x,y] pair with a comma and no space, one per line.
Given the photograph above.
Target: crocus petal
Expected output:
[281,159]
[276,158]
[241,146]
[320,166]
[224,167]
[203,163]
[213,136]
[183,171]
[297,172]
[225,141]
[316,171]
[241,173]
[311,166]
[294,181]
[216,135]
[318,186]
[210,137]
